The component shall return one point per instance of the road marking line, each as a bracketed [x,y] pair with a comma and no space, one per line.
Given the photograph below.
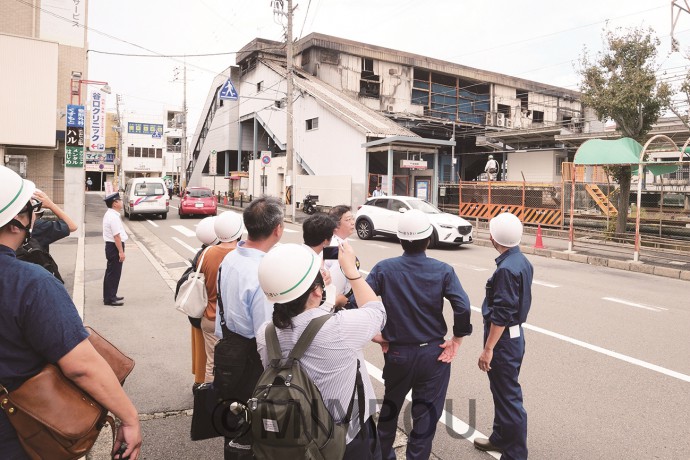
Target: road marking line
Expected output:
[379,245]
[184,230]
[604,351]
[470,267]
[152,222]
[457,425]
[633,304]
[171,206]
[544,283]
[289,230]
[185,245]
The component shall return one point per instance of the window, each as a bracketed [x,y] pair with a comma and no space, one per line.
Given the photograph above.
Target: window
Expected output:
[312,124]
[397,205]
[259,86]
[537,116]
[148,189]
[130,151]
[200,193]
[159,153]
[380,203]
[369,85]
[559,165]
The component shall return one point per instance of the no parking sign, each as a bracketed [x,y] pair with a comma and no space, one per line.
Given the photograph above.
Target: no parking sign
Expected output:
[265,160]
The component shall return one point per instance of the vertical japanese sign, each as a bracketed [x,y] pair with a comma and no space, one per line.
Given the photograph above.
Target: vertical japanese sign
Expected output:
[97,135]
[74,136]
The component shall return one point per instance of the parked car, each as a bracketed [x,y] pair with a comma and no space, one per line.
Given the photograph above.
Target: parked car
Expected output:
[198,201]
[379,216]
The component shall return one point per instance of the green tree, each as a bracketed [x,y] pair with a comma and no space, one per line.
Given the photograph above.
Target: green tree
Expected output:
[620,84]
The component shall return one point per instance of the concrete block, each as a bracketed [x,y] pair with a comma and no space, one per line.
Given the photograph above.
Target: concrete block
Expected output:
[667,272]
[527,250]
[619,264]
[581,258]
[560,255]
[543,252]
[685,275]
[600,261]
[641,268]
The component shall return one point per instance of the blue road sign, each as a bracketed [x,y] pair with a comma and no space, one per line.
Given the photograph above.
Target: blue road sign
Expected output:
[228,91]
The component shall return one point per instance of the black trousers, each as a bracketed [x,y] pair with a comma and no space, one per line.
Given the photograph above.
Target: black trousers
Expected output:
[113,271]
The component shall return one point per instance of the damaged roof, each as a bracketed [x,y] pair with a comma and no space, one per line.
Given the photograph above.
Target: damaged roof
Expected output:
[366,120]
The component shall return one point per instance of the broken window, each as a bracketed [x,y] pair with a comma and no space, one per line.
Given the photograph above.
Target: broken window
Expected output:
[312,124]
[369,85]
[259,86]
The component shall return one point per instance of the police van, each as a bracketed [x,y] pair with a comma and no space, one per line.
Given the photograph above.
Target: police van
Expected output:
[146,195]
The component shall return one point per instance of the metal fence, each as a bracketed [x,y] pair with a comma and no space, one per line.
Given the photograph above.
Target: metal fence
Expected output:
[54,188]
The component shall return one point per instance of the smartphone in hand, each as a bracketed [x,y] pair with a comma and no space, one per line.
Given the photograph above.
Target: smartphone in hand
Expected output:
[330,253]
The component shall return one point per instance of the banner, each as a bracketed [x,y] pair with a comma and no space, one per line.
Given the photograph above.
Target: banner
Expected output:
[74,136]
[97,137]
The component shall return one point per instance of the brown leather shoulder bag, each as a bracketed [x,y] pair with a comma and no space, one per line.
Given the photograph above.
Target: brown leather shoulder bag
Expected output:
[55,419]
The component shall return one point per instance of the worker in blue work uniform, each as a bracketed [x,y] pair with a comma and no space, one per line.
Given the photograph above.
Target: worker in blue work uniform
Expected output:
[417,355]
[505,308]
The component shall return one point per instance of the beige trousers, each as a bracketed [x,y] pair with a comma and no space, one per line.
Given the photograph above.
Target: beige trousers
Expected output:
[208,328]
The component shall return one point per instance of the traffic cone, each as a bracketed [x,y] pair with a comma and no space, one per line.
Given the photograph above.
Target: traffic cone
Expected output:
[539,244]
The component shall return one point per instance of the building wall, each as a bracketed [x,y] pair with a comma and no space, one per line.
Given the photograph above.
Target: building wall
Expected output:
[133,166]
[537,166]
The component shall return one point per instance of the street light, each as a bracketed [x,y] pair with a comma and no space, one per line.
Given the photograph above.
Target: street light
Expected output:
[75,87]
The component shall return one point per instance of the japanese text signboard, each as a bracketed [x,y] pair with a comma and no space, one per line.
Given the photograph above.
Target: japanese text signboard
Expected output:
[97,137]
[74,136]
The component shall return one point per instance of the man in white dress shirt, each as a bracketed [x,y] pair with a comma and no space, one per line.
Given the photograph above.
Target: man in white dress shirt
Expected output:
[114,236]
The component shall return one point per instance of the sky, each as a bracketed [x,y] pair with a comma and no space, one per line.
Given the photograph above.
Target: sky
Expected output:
[540,40]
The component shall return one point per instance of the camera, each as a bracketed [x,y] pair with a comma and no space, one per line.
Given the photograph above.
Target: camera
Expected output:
[330,253]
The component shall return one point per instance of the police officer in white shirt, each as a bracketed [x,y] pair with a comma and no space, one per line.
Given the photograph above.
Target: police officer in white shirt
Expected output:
[114,236]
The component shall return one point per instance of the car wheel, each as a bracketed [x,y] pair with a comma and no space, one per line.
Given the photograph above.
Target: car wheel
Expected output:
[433,241]
[164,215]
[127,215]
[365,230]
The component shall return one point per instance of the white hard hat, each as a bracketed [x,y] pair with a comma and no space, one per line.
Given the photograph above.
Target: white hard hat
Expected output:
[228,226]
[491,157]
[414,225]
[205,232]
[506,229]
[15,192]
[287,272]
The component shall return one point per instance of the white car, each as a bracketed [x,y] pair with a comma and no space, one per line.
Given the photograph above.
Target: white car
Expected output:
[379,216]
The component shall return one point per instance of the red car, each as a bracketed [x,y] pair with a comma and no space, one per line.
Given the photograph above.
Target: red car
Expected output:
[198,200]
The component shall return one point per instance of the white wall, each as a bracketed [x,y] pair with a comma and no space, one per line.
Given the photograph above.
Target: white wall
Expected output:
[537,166]
[28,91]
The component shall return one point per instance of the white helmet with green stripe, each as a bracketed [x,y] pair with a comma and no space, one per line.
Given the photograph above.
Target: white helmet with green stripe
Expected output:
[287,272]
[15,192]
[414,225]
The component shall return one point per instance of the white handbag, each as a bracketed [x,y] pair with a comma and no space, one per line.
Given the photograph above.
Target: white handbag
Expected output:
[193,297]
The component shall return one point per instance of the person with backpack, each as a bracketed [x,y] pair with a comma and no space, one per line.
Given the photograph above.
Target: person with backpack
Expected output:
[304,339]
[45,232]
[491,168]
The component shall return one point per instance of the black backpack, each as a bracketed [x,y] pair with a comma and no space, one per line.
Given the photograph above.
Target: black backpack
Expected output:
[34,253]
[288,416]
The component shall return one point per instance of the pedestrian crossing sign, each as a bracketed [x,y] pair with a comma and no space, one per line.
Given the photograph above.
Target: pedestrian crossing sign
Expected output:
[228,91]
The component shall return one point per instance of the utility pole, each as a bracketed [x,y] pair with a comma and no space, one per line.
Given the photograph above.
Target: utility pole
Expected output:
[118,148]
[291,165]
[184,125]
[452,156]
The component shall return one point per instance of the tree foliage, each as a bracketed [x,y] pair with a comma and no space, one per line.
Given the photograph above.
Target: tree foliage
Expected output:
[620,84]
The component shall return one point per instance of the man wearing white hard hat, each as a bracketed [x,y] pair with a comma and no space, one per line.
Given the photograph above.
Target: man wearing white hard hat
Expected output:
[413,288]
[39,324]
[505,308]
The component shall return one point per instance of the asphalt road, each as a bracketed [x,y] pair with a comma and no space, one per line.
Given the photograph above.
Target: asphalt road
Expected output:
[606,372]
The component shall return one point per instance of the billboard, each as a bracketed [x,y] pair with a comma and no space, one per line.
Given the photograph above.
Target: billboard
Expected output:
[97,119]
[63,21]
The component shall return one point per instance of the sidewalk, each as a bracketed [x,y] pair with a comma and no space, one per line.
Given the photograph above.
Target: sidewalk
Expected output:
[149,329]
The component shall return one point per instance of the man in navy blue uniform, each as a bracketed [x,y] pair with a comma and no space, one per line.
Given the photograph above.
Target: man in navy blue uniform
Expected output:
[417,355]
[505,308]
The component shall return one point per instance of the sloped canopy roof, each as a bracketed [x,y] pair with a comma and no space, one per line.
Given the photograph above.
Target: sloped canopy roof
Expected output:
[618,152]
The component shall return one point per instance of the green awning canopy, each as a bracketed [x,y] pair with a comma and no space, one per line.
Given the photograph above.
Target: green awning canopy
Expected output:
[618,152]
[600,152]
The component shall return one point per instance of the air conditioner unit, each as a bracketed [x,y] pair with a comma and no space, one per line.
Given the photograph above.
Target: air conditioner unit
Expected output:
[500,119]
[509,123]
[489,120]
[389,108]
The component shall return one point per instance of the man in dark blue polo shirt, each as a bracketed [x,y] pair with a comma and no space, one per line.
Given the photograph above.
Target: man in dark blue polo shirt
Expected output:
[417,356]
[505,308]
[39,324]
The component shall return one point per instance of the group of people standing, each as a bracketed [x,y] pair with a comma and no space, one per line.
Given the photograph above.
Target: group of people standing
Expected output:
[261,282]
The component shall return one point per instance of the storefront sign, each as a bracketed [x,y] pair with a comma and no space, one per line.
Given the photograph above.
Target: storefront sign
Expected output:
[97,137]
[74,136]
